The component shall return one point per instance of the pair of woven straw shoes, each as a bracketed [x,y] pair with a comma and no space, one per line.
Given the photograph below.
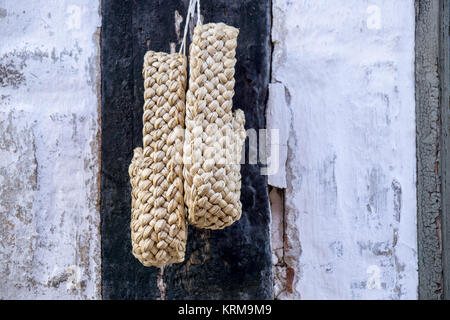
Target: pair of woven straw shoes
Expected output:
[192,145]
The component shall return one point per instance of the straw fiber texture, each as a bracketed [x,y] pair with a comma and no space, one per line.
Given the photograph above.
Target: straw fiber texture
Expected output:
[158,225]
[213,137]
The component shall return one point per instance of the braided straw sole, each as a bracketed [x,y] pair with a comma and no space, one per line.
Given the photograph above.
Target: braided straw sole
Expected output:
[213,137]
[158,225]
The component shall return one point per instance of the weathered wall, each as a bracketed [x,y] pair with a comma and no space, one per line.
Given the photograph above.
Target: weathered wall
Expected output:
[428,136]
[49,149]
[347,67]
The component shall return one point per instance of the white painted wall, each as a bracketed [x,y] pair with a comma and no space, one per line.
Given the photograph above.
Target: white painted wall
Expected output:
[348,71]
[49,149]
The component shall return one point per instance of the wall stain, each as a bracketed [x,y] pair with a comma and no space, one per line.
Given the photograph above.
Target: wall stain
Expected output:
[328,187]
[397,188]
[290,273]
[13,63]
[377,197]
[10,74]
[18,181]
[378,248]
[338,248]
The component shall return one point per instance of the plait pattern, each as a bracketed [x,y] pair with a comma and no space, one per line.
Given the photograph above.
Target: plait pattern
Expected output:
[158,225]
[213,137]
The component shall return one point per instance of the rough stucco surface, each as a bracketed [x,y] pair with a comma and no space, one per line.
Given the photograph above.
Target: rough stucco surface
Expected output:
[348,70]
[49,163]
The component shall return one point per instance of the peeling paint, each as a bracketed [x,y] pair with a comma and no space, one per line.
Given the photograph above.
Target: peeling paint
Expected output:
[49,151]
[428,147]
[10,75]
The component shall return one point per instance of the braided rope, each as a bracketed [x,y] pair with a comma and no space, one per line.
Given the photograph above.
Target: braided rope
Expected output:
[158,226]
[213,137]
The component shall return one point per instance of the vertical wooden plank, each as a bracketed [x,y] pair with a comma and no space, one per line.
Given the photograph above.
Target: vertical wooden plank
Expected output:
[445,141]
[428,150]
[231,263]
[123,277]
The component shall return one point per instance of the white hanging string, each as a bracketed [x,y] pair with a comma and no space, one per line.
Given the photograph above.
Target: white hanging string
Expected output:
[191,9]
[198,12]
[186,24]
